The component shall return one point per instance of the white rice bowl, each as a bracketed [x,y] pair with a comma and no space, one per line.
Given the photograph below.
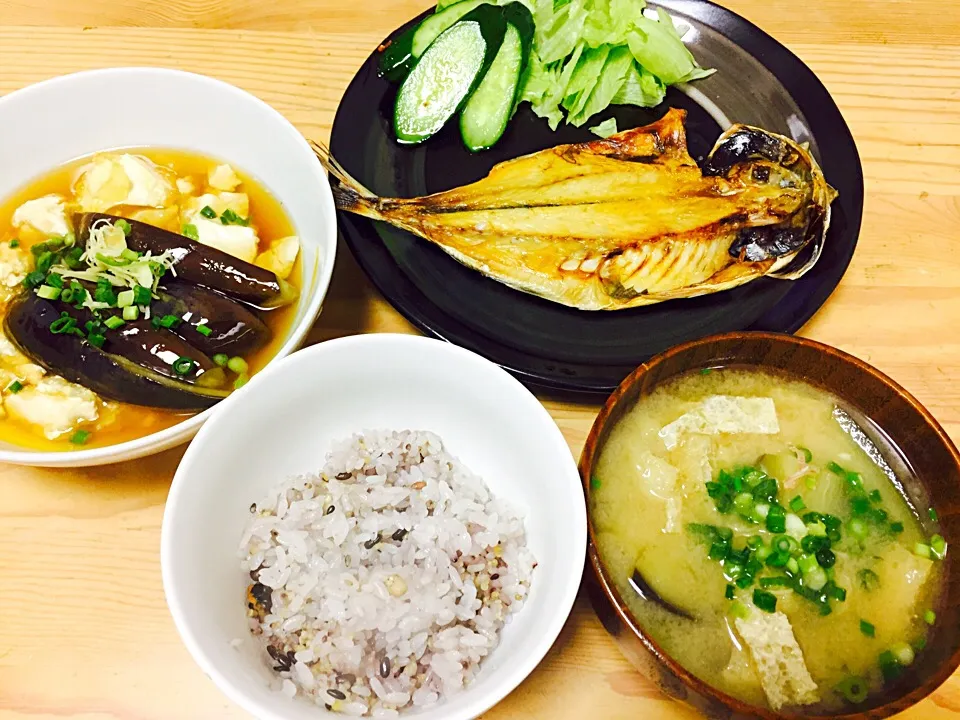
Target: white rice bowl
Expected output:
[282,426]
[383,582]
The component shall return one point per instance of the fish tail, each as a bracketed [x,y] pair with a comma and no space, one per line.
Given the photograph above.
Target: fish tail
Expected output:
[348,193]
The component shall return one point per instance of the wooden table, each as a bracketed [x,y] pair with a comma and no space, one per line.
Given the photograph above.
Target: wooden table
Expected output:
[84,631]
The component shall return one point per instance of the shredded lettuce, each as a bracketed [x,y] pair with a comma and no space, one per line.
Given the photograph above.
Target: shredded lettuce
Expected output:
[605,129]
[590,54]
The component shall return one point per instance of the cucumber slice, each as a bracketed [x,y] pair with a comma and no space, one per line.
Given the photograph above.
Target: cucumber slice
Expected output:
[488,110]
[397,57]
[432,27]
[447,73]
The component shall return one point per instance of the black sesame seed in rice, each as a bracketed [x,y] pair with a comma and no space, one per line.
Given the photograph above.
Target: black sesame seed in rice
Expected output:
[399,535]
[343,476]
[253,508]
[330,509]
[385,667]
[334,693]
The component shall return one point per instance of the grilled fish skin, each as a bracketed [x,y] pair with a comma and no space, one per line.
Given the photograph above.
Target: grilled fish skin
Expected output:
[625,221]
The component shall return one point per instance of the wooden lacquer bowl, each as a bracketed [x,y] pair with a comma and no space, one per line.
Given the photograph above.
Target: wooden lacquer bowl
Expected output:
[928,457]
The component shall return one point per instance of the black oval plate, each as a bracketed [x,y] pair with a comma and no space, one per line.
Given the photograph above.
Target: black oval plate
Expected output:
[759,82]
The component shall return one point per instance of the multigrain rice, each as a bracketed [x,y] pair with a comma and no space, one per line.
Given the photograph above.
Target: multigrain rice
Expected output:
[383,582]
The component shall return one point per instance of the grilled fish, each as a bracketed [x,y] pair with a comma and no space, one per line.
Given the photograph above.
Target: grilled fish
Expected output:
[625,221]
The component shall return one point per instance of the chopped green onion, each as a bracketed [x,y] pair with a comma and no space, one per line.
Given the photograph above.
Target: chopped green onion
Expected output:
[243,379]
[857,528]
[229,217]
[854,690]
[817,529]
[142,295]
[728,594]
[54,280]
[190,231]
[45,247]
[183,365]
[123,225]
[810,481]
[63,324]
[239,366]
[797,504]
[807,455]
[778,559]
[96,339]
[875,496]
[922,549]
[889,666]
[903,653]
[836,469]
[221,359]
[812,543]
[815,579]
[80,437]
[48,293]
[155,322]
[118,261]
[933,514]
[208,212]
[45,262]
[204,329]
[169,321]
[929,617]
[113,322]
[776,519]
[938,547]
[777,581]
[793,566]
[860,505]
[131,313]
[125,298]
[131,255]
[835,592]
[920,644]
[105,294]
[71,258]
[826,557]
[14,243]
[807,563]
[69,239]
[868,629]
[896,527]
[16,386]
[594,481]
[764,600]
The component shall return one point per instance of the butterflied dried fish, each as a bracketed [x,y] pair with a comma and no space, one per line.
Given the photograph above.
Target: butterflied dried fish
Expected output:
[626,221]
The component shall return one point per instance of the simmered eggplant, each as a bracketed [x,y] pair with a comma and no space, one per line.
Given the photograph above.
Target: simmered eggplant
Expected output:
[231,327]
[30,325]
[200,264]
[234,329]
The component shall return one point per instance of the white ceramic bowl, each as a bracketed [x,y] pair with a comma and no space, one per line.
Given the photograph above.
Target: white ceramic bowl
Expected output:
[282,427]
[168,108]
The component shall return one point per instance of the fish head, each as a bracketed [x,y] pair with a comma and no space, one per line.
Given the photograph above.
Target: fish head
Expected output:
[746,156]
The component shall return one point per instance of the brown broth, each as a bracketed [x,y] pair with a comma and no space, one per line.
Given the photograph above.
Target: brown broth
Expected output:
[122,422]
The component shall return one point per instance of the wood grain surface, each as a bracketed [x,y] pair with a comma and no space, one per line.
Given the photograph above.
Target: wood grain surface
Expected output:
[84,630]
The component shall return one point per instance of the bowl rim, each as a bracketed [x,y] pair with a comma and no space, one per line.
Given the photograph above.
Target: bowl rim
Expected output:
[612,595]
[182,431]
[571,571]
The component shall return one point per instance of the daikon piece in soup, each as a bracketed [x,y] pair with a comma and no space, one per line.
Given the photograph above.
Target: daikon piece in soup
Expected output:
[760,539]
[137,287]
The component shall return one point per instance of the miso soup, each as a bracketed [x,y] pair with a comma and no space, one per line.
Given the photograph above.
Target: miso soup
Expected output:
[756,541]
[137,287]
